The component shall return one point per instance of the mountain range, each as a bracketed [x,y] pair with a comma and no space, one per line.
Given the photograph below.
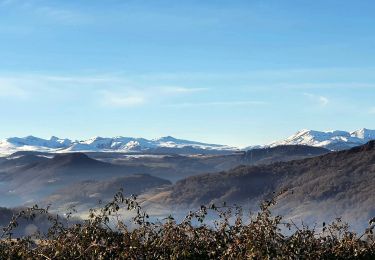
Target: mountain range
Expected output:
[166,144]
[335,140]
[332,140]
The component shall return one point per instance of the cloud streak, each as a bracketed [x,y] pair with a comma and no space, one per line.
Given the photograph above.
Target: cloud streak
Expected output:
[102,91]
[116,100]
[126,97]
[182,90]
[64,16]
[220,103]
[279,74]
[48,12]
[346,85]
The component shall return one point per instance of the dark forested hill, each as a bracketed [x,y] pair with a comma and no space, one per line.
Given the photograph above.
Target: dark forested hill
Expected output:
[338,183]
[86,194]
[282,153]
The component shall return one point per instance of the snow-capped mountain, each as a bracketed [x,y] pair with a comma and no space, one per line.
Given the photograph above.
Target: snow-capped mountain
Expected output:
[104,144]
[332,140]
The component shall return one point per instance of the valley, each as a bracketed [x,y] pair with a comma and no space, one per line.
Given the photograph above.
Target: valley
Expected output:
[321,184]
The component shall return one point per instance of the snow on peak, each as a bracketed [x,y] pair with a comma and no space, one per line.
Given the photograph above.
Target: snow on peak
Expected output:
[100,144]
[132,145]
[30,140]
[167,139]
[63,142]
[364,133]
[333,140]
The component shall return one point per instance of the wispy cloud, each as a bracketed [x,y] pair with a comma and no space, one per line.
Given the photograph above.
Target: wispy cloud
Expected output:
[117,100]
[65,16]
[322,101]
[342,85]
[10,89]
[182,90]
[104,90]
[279,74]
[14,92]
[7,2]
[220,103]
[372,110]
[44,10]
[133,97]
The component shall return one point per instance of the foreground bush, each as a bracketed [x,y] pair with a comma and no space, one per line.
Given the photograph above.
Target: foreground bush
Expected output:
[105,236]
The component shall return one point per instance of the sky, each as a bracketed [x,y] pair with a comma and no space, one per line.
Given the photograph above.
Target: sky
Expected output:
[230,72]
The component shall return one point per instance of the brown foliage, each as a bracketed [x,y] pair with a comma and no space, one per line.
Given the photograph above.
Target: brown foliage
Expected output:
[105,236]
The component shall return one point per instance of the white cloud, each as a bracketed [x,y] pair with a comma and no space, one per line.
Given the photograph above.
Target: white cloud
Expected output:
[113,99]
[132,97]
[372,110]
[320,100]
[323,100]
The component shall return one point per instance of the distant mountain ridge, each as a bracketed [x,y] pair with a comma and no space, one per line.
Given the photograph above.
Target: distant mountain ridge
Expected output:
[106,144]
[281,153]
[335,140]
[332,140]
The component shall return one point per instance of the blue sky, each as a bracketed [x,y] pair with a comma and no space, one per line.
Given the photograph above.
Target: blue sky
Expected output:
[232,72]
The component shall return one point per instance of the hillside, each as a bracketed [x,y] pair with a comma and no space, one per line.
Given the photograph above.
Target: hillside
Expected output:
[281,153]
[31,177]
[86,194]
[334,184]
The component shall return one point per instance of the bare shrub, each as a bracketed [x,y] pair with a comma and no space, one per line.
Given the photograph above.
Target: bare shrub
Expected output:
[105,235]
